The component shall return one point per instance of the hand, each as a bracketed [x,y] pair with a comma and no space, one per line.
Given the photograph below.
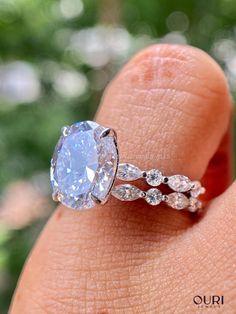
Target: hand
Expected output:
[171,108]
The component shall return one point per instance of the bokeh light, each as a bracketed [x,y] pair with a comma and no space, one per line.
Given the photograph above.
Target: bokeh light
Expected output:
[71,8]
[19,83]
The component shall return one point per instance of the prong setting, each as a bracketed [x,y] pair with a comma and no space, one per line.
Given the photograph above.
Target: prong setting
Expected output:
[65,130]
[165,180]
[97,200]
[143,194]
[108,132]
[57,196]
[164,198]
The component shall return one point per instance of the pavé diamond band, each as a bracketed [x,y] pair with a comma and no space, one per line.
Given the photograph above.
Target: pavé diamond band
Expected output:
[85,165]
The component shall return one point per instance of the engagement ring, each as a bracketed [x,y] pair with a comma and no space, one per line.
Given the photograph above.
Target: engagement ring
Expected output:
[85,166]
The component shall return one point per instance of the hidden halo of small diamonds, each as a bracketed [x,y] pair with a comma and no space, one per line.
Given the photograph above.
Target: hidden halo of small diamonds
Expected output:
[85,165]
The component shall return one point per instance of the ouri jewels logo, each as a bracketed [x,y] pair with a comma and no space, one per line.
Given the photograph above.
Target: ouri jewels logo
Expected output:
[208,301]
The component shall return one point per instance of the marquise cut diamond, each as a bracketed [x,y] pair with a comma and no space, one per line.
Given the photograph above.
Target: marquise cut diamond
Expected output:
[126,192]
[179,183]
[128,172]
[177,200]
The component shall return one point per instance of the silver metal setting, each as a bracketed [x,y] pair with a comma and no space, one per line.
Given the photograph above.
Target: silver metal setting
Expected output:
[97,200]
[108,132]
[65,130]
[184,193]
[57,197]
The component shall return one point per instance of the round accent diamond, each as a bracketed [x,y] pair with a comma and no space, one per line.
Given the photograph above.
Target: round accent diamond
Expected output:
[84,165]
[177,200]
[154,177]
[153,197]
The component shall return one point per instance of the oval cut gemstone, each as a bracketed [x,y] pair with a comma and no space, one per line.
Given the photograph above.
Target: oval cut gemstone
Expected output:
[84,165]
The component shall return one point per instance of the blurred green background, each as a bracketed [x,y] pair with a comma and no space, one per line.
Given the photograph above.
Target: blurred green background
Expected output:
[56,57]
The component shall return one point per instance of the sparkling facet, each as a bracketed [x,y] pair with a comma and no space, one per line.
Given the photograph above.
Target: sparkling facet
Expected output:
[128,172]
[177,200]
[126,192]
[83,164]
[179,183]
[154,177]
[153,197]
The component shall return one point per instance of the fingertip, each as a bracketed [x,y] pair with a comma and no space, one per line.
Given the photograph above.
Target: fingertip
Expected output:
[169,90]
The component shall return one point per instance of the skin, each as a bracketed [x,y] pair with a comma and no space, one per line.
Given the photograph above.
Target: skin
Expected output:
[171,108]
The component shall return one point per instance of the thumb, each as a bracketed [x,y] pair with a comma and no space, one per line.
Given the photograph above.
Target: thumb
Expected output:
[170,107]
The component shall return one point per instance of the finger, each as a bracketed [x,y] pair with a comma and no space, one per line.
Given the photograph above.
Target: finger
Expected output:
[220,168]
[166,103]
[170,107]
[213,241]
[176,115]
